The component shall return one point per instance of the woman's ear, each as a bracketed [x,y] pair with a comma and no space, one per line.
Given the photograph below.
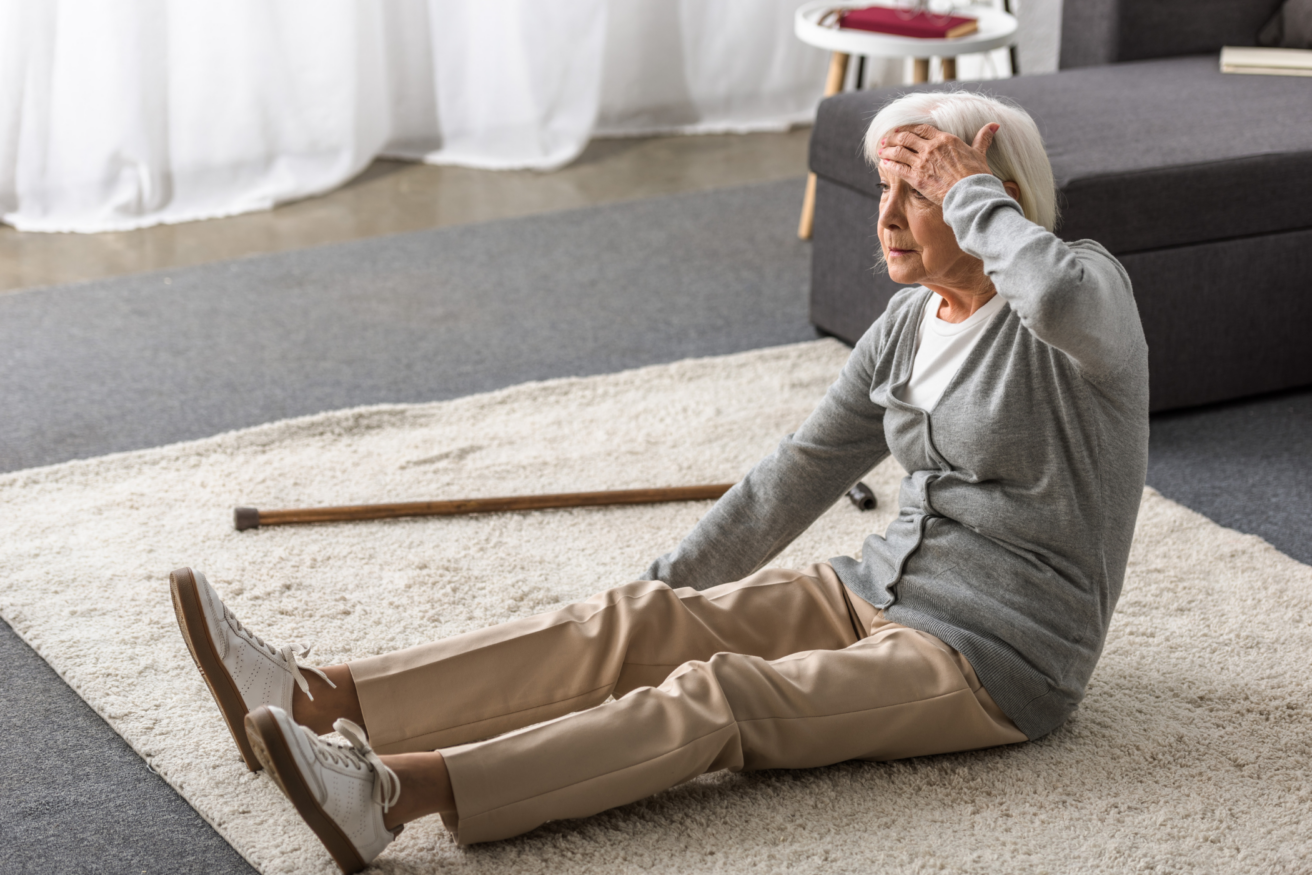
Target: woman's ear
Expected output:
[1012,189]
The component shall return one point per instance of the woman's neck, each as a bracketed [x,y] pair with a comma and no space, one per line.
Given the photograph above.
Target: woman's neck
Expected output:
[958,305]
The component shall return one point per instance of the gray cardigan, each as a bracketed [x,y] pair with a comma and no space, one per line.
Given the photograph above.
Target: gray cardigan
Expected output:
[1015,522]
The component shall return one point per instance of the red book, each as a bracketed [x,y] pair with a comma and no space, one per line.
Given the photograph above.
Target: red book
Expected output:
[885,19]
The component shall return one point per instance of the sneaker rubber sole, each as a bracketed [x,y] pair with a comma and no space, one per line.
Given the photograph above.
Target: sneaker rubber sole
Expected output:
[274,751]
[196,632]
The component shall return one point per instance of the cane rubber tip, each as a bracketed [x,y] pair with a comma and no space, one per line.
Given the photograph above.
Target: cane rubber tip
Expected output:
[863,497]
[246,518]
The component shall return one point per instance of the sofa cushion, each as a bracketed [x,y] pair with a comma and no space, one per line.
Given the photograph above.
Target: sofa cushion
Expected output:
[1146,155]
[1114,31]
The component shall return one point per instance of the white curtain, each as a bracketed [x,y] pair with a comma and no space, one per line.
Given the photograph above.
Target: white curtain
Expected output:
[119,114]
[122,114]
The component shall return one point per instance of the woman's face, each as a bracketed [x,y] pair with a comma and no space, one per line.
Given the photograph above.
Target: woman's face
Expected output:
[918,246]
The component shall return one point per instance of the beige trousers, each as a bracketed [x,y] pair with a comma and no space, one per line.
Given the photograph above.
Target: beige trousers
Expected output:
[781,670]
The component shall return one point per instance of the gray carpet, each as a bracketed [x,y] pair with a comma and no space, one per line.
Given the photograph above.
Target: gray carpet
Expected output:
[75,798]
[1245,464]
[141,361]
[145,360]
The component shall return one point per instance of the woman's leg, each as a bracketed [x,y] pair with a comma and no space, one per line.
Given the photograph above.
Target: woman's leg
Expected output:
[515,674]
[897,693]
[327,700]
[657,629]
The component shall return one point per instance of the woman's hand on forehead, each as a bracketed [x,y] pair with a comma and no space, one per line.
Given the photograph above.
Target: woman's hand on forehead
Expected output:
[932,161]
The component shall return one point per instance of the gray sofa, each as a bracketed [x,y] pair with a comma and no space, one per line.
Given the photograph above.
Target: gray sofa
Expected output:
[1199,182]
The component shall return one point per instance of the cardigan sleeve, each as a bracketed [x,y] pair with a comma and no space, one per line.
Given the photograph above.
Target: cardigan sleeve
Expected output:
[785,492]
[1075,297]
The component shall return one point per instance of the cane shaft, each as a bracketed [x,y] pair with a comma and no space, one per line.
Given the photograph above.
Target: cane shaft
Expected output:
[348,513]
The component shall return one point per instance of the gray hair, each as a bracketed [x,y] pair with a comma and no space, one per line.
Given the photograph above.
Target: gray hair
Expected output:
[1017,154]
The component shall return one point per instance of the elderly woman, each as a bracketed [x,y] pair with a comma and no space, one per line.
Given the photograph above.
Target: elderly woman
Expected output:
[1010,378]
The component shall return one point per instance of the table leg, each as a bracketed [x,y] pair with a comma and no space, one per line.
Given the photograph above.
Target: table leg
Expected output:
[921,70]
[1011,50]
[949,69]
[833,85]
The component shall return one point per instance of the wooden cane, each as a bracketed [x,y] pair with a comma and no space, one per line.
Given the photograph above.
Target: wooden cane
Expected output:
[249,518]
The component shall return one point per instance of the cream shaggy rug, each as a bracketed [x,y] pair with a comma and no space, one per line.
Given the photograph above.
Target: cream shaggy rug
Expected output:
[1190,753]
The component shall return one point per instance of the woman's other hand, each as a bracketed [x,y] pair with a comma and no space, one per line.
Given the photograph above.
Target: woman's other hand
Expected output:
[931,161]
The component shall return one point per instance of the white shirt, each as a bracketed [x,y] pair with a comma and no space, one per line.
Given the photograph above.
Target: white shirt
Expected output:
[941,349]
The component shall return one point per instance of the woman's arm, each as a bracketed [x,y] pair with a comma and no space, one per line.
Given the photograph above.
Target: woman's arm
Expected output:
[785,492]
[1076,298]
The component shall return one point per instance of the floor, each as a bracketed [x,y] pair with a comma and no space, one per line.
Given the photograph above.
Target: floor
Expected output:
[1244,464]
[393,196]
[73,796]
[131,362]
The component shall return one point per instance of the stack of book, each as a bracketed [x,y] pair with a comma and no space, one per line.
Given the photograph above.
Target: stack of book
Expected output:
[918,23]
[1266,62]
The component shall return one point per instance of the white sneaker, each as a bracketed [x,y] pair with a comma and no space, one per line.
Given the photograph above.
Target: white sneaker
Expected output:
[241,670]
[342,793]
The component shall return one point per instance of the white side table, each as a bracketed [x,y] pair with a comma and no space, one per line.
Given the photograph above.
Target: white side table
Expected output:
[997,29]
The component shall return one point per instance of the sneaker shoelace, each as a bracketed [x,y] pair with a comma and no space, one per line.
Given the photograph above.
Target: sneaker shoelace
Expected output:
[387,786]
[287,653]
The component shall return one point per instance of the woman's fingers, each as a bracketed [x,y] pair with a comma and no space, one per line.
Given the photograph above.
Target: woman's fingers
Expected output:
[919,132]
[929,143]
[898,154]
[915,175]
[901,161]
[931,161]
[904,162]
[916,139]
[984,138]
